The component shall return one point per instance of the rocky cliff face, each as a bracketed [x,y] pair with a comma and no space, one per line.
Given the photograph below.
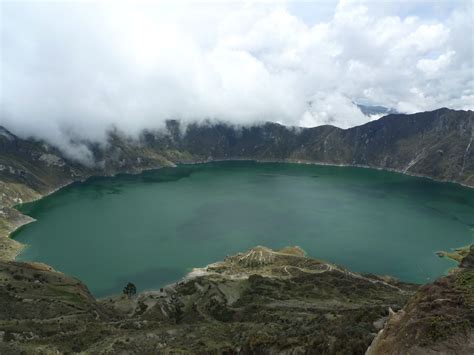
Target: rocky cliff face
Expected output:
[436,144]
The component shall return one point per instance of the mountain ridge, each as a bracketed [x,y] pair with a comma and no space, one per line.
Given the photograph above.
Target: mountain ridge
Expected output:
[420,144]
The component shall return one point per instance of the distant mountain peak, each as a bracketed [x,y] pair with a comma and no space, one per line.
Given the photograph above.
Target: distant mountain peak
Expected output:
[370,110]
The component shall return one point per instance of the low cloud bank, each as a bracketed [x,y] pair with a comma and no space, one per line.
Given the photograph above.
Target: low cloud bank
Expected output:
[72,70]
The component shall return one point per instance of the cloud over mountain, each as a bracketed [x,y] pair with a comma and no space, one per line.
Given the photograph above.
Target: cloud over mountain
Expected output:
[72,70]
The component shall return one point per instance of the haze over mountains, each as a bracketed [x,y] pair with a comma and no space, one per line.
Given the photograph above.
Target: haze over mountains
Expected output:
[437,144]
[73,70]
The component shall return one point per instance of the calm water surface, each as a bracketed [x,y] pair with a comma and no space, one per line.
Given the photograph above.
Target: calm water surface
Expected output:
[152,228]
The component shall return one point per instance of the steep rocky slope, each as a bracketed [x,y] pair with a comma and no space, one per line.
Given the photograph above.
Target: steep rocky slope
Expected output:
[438,319]
[436,144]
[261,301]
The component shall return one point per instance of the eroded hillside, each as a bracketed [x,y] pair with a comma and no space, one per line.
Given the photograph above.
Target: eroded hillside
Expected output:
[261,300]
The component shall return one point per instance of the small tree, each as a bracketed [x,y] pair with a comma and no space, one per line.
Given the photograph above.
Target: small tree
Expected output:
[130,290]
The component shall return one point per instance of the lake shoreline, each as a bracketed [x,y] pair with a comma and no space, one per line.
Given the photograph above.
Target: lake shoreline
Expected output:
[17,225]
[195,162]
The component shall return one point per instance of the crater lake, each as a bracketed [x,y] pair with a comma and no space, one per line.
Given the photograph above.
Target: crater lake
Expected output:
[153,228]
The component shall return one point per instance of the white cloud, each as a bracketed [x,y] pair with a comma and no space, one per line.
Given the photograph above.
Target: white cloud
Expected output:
[70,70]
[433,67]
[331,109]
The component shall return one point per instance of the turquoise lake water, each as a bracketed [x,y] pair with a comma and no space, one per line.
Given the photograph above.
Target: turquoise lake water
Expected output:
[153,228]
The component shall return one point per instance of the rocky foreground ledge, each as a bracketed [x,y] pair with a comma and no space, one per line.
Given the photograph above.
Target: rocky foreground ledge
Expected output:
[259,301]
[438,319]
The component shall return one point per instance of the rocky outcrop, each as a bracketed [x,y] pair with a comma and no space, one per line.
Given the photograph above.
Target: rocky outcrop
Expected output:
[261,301]
[438,319]
[468,261]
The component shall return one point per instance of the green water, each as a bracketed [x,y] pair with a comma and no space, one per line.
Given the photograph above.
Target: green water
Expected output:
[152,228]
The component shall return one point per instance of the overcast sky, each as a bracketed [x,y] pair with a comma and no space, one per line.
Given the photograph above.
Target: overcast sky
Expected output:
[72,69]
